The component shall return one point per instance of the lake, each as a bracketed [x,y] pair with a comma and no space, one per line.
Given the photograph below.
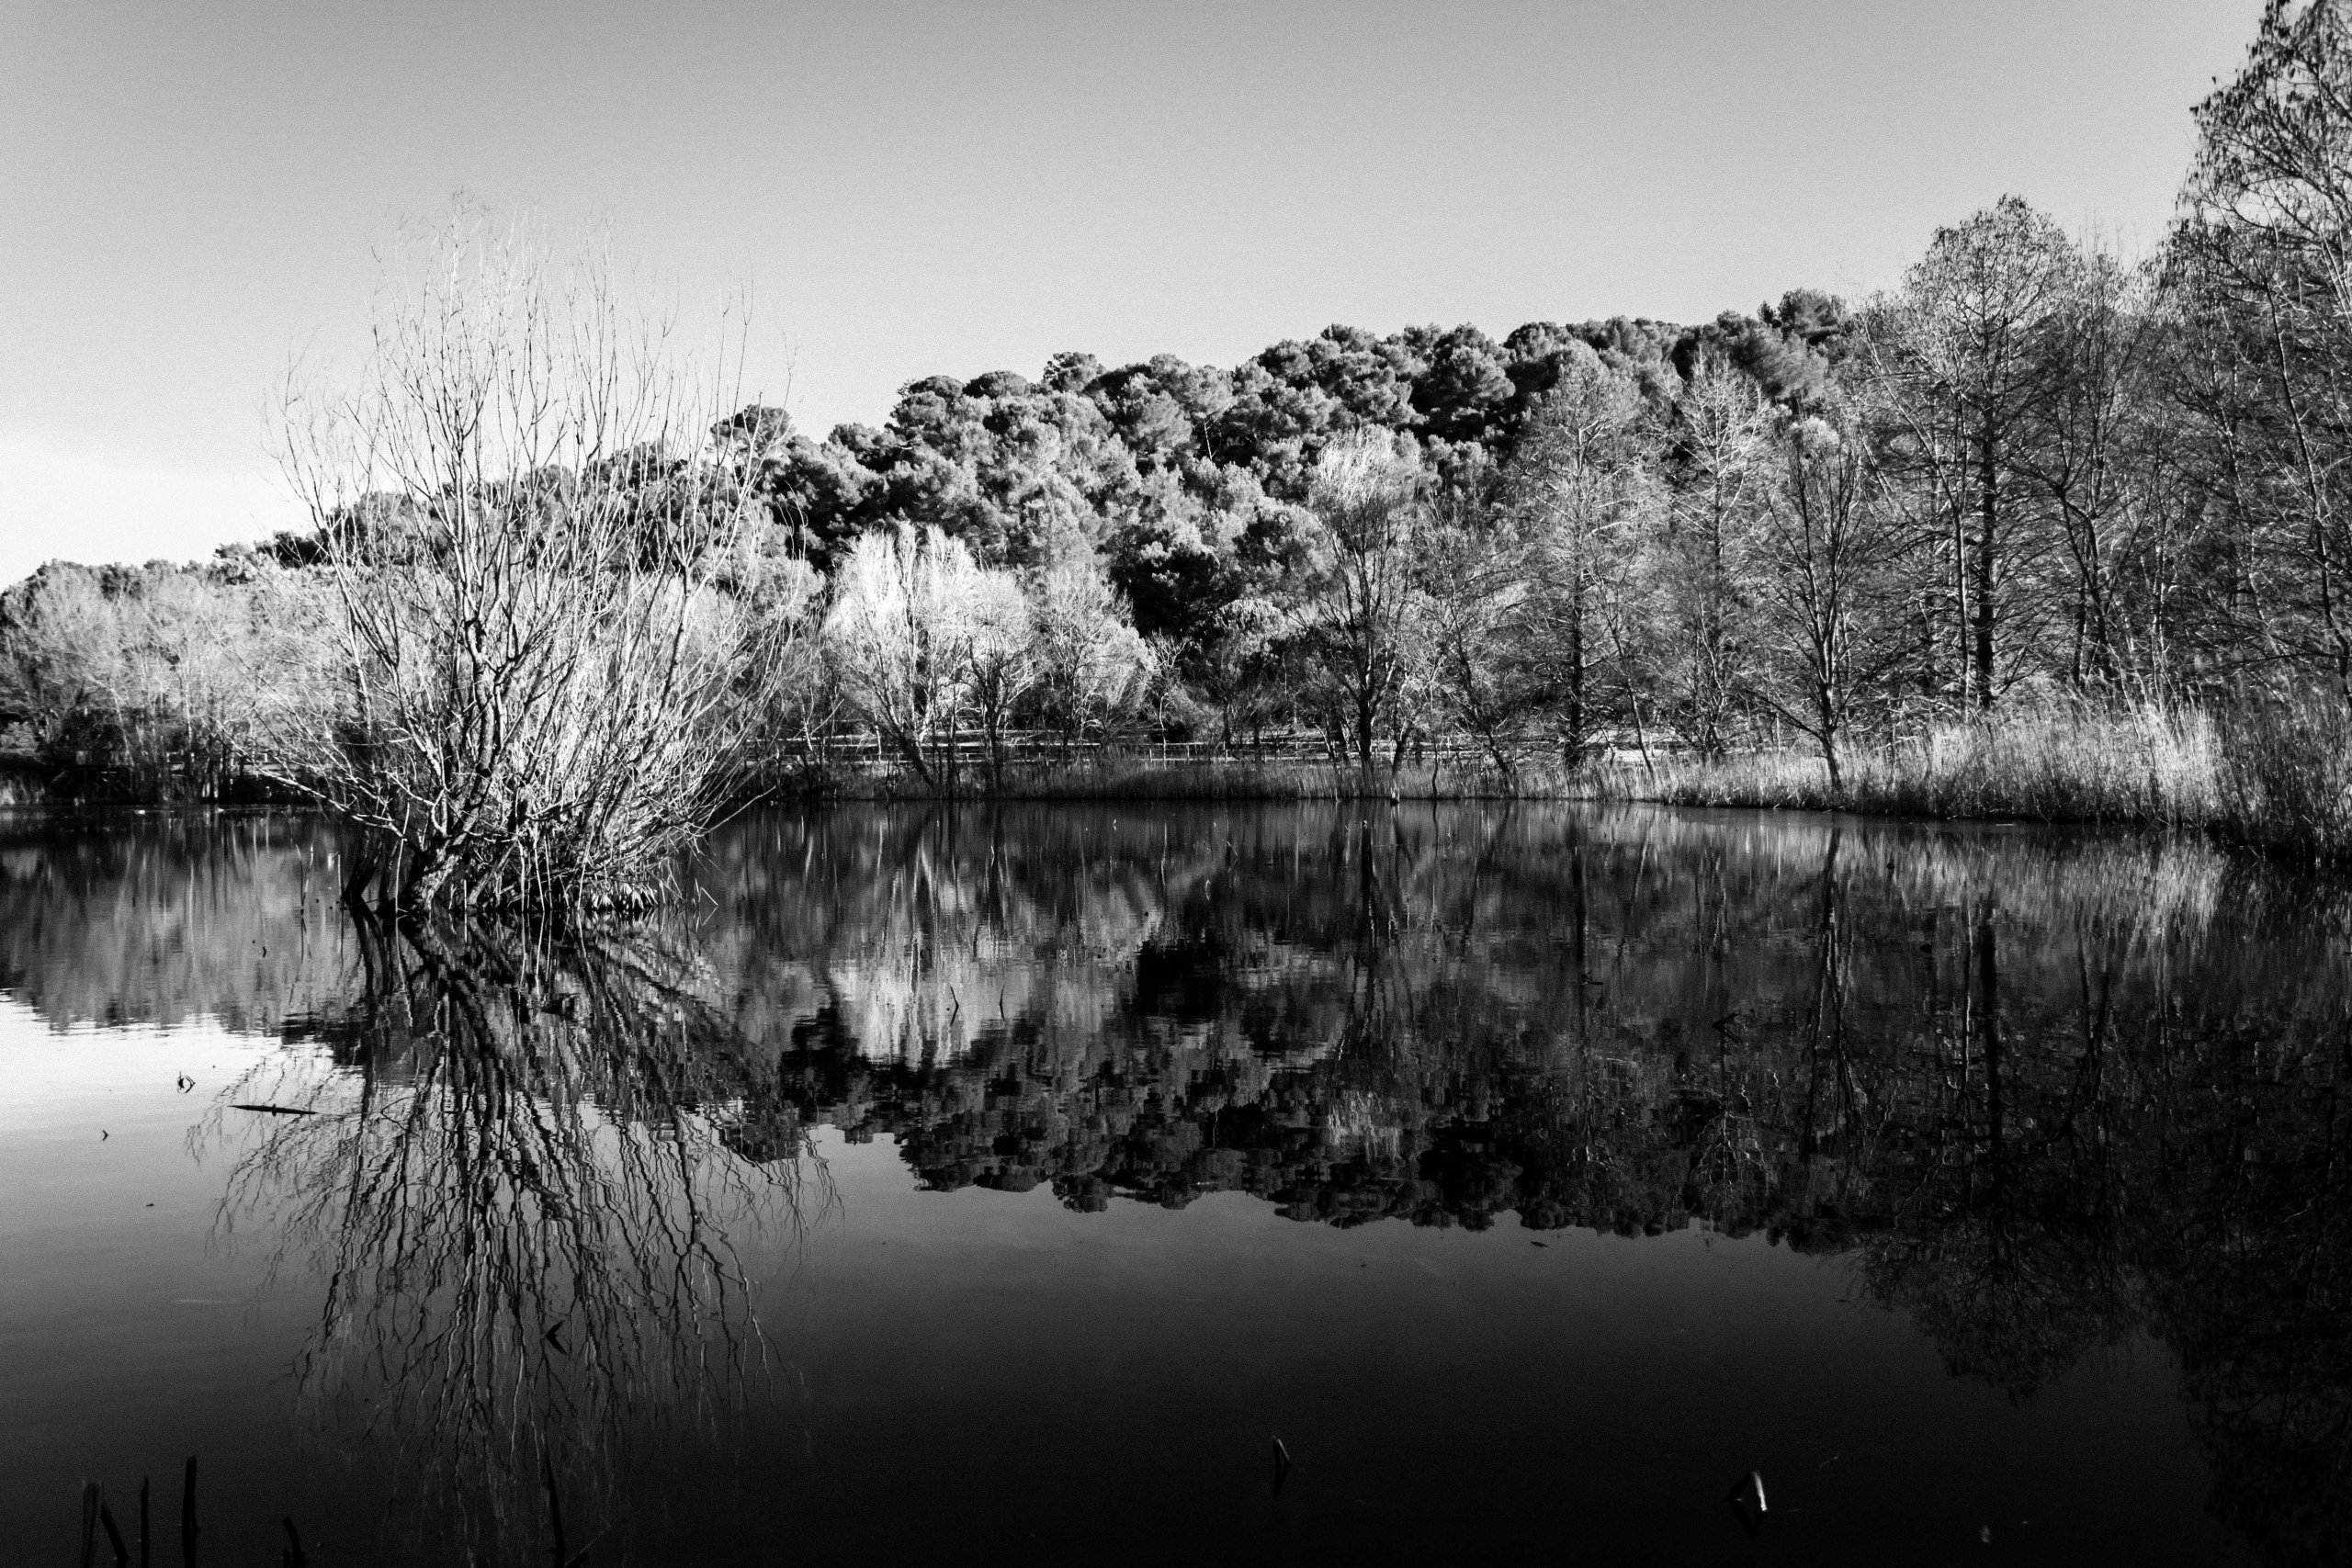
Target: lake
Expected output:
[1182,1183]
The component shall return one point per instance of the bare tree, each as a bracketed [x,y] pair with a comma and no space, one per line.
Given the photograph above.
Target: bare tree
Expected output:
[913,617]
[1824,547]
[541,684]
[1005,663]
[1960,363]
[1357,615]
[1092,668]
[1701,565]
[1485,675]
[2259,275]
[163,675]
[1581,490]
[2079,453]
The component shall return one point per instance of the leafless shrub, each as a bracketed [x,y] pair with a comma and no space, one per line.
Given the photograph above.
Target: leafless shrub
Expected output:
[543,685]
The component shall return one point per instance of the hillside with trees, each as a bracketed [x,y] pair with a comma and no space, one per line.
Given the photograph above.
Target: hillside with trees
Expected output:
[2034,476]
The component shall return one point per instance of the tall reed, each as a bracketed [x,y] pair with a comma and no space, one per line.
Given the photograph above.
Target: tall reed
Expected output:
[2275,773]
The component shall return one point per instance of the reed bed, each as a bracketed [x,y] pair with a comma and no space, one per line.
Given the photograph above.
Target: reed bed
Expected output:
[2275,775]
[21,784]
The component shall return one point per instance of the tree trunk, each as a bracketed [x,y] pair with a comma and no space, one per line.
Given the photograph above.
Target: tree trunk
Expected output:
[1575,747]
[912,750]
[1989,1024]
[1987,519]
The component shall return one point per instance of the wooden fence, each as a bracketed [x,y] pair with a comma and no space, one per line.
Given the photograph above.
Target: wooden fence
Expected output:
[969,751]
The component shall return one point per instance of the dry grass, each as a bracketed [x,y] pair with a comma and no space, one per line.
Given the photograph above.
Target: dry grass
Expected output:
[22,782]
[2274,774]
[1791,779]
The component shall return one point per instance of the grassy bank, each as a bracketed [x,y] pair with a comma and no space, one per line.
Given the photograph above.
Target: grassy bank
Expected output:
[2277,776]
[2274,777]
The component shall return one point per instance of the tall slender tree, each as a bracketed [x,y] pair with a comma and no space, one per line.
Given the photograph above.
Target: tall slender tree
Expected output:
[1719,451]
[2260,274]
[1827,547]
[1960,358]
[1579,485]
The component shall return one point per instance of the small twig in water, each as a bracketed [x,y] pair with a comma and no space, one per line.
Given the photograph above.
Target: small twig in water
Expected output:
[114,1536]
[555,1507]
[1747,1501]
[187,1515]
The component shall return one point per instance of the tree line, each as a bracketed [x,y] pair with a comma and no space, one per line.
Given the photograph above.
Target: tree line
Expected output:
[2035,469]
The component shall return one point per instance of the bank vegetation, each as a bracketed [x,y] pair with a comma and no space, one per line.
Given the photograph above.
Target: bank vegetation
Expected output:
[2043,531]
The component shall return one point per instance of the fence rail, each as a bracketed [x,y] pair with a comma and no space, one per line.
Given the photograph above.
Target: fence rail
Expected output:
[864,752]
[965,754]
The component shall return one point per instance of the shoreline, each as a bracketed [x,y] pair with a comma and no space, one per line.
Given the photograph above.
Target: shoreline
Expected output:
[2276,779]
[1782,781]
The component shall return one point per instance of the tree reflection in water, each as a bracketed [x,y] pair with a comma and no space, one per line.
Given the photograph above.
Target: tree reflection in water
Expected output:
[2049,1091]
[524,1170]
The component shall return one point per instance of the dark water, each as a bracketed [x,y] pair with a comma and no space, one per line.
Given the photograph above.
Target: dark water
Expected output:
[999,1185]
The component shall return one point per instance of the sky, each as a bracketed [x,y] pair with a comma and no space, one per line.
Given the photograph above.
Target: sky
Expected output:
[193,194]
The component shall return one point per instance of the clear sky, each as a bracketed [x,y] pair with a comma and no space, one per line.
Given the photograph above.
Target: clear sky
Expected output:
[189,193]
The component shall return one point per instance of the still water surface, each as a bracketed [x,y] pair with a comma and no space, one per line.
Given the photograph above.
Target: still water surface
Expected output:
[997,1185]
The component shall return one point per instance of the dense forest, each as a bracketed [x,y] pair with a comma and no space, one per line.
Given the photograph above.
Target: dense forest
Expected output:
[2034,472]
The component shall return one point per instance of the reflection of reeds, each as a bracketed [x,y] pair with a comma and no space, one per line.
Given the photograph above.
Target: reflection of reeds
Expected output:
[524,1185]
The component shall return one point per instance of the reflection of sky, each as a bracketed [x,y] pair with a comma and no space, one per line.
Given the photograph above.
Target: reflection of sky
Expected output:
[128,1339]
[52,1074]
[1067,1375]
